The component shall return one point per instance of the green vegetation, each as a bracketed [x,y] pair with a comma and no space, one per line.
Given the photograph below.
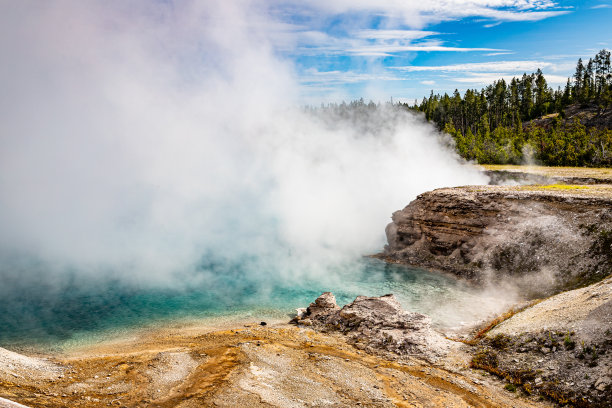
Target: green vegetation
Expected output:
[601,174]
[486,360]
[493,125]
[510,387]
[501,341]
[554,392]
[570,344]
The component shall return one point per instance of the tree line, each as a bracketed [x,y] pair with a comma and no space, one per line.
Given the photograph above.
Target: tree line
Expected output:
[496,124]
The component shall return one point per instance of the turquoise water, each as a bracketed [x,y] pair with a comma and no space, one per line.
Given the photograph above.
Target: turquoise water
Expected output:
[37,315]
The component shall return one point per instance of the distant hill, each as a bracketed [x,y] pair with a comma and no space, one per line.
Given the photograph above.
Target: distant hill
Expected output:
[590,115]
[525,120]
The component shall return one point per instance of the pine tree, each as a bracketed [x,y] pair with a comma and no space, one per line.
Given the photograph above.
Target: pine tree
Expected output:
[567,94]
[587,82]
[541,100]
[578,78]
[491,124]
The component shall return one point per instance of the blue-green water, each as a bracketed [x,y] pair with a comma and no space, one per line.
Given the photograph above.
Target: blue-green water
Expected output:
[39,315]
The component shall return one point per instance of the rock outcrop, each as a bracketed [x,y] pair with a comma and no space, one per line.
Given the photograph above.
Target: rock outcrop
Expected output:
[560,348]
[377,324]
[544,238]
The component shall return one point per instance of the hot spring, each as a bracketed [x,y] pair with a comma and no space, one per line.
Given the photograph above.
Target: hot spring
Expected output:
[73,313]
[164,167]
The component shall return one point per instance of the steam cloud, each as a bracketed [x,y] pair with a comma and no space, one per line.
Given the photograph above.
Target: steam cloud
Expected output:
[139,139]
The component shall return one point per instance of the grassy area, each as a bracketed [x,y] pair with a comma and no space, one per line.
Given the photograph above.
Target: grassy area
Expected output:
[590,190]
[560,187]
[586,172]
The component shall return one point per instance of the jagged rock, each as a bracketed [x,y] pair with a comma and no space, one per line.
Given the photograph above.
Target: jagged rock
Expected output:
[378,324]
[326,301]
[322,307]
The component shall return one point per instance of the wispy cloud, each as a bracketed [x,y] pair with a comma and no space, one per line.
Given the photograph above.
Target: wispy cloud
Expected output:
[386,50]
[341,42]
[511,15]
[354,29]
[367,42]
[418,14]
[497,66]
[493,54]
[314,76]
[371,34]
[488,78]
[601,6]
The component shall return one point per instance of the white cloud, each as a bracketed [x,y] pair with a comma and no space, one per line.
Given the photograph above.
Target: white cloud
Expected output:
[555,80]
[386,50]
[314,76]
[428,82]
[487,78]
[354,18]
[499,66]
[371,43]
[600,6]
[393,34]
[493,54]
[481,78]
[418,14]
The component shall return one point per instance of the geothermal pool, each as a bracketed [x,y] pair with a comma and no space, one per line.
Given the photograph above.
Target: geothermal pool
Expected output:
[75,313]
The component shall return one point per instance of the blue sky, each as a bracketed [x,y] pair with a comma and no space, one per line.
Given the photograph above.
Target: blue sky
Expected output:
[378,49]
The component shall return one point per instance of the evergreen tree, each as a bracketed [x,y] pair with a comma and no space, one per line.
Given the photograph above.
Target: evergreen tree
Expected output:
[494,125]
[578,78]
[542,94]
[587,82]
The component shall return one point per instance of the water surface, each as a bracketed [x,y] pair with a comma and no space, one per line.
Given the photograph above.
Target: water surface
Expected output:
[36,315]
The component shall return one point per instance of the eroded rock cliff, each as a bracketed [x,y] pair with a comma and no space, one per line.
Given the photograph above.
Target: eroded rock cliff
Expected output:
[544,238]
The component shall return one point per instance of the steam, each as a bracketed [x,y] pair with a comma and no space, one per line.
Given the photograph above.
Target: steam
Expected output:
[143,141]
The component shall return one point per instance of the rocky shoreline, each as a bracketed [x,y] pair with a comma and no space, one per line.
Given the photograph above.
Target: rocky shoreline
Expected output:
[276,365]
[369,352]
[540,240]
[558,351]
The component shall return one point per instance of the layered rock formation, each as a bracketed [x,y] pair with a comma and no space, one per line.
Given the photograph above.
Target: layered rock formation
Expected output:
[377,324]
[544,238]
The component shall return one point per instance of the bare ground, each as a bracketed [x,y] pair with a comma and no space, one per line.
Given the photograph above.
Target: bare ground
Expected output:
[251,366]
[532,174]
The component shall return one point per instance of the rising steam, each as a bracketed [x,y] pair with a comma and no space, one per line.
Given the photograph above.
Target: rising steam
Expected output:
[140,140]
